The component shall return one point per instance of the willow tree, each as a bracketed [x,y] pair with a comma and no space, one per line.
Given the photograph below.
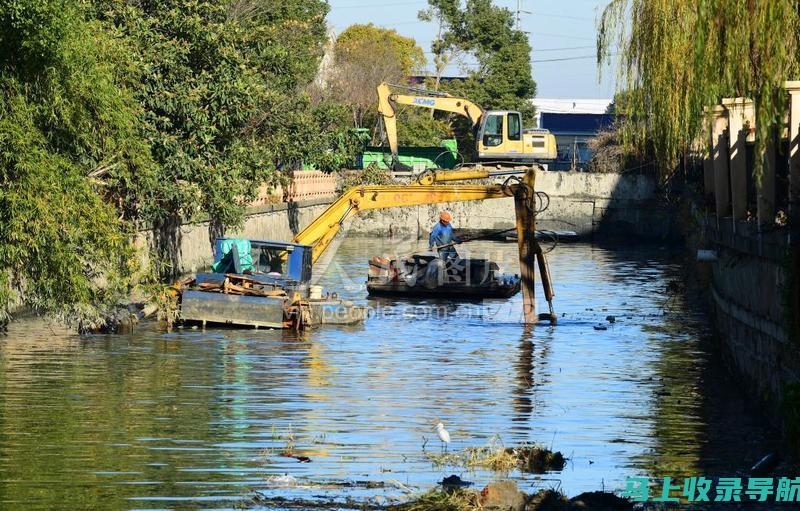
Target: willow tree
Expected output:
[677,57]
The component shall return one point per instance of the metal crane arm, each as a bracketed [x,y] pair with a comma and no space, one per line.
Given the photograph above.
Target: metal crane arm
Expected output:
[324,228]
[321,231]
[425,99]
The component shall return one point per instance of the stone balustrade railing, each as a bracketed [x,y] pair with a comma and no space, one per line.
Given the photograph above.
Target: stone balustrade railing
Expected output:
[304,185]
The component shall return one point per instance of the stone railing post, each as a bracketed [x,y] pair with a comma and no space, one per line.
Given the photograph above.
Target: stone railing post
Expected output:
[766,185]
[740,113]
[793,88]
[719,156]
[708,160]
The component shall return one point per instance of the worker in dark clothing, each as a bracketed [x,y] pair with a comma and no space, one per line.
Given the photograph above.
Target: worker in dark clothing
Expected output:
[442,234]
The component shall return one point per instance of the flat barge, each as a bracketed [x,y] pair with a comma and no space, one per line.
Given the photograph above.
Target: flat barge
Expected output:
[262,284]
[427,275]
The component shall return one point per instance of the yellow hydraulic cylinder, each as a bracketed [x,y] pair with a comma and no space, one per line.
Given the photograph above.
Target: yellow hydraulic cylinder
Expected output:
[440,176]
[525,207]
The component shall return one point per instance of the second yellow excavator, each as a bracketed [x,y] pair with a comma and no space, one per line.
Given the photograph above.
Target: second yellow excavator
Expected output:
[499,135]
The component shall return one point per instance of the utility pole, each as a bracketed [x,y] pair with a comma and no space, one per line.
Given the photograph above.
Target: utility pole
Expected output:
[519,14]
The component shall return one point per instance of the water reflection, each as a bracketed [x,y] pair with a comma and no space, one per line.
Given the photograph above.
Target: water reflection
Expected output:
[154,420]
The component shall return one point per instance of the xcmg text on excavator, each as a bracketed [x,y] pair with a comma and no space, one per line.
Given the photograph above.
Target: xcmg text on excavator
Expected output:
[269,283]
[499,134]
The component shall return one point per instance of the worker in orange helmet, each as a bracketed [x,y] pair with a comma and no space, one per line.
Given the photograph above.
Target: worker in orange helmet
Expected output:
[442,238]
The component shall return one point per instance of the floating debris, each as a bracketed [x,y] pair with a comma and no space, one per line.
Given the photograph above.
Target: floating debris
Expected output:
[549,500]
[457,499]
[506,495]
[600,327]
[503,495]
[283,481]
[611,319]
[599,501]
[495,456]
[537,460]
[454,481]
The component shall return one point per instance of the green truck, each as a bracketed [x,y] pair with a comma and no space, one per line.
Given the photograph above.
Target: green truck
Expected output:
[418,158]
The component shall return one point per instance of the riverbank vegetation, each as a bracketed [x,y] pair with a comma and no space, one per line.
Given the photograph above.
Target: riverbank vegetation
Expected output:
[118,117]
[677,58]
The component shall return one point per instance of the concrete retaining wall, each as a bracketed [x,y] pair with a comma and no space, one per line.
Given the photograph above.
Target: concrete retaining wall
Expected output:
[747,295]
[589,204]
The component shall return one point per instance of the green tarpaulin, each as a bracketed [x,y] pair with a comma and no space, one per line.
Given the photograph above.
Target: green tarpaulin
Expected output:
[226,262]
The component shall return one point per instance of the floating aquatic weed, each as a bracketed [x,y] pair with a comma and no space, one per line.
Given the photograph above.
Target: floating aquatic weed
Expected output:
[442,500]
[537,459]
[505,495]
[497,457]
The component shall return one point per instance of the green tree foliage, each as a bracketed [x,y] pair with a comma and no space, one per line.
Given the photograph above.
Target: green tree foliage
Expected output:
[678,57]
[503,77]
[356,41]
[65,112]
[365,56]
[224,103]
[418,128]
[117,115]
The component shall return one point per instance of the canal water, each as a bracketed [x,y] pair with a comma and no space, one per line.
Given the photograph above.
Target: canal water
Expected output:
[205,419]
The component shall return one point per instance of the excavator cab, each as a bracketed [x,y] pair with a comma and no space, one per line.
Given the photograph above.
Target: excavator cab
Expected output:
[501,137]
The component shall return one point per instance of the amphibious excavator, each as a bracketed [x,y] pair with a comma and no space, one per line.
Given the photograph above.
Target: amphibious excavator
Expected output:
[499,134]
[269,283]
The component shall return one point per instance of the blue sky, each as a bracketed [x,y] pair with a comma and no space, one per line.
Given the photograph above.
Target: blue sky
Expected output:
[564,29]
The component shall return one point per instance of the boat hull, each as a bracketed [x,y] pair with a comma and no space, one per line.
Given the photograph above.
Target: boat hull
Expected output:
[443,291]
[427,275]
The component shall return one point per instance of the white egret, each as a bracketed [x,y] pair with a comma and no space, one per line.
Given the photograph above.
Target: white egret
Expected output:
[444,436]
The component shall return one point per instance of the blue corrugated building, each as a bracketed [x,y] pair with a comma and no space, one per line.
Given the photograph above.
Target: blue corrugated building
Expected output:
[572,132]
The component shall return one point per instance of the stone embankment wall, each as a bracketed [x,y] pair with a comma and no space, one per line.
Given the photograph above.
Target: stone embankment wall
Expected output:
[753,227]
[747,289]
[589,204]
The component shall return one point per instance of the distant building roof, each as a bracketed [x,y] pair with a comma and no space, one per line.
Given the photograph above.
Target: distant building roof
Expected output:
[572,106]
[568,106]
[574,124]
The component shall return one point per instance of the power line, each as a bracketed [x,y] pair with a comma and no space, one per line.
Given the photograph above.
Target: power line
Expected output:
[538,61]
[360,6]
[563,36]
[545,34]
[519,13]
[561,16]
[565,58]
[535,50]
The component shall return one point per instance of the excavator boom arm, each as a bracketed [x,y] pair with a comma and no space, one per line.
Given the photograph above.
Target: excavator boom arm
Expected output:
[443,102]
[321,231]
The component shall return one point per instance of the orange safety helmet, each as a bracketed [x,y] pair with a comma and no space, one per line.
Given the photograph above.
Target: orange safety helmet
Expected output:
[445,217]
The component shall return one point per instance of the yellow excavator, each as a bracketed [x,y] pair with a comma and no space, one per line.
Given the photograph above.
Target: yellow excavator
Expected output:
[499,134]
[434,188]
[266,283]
